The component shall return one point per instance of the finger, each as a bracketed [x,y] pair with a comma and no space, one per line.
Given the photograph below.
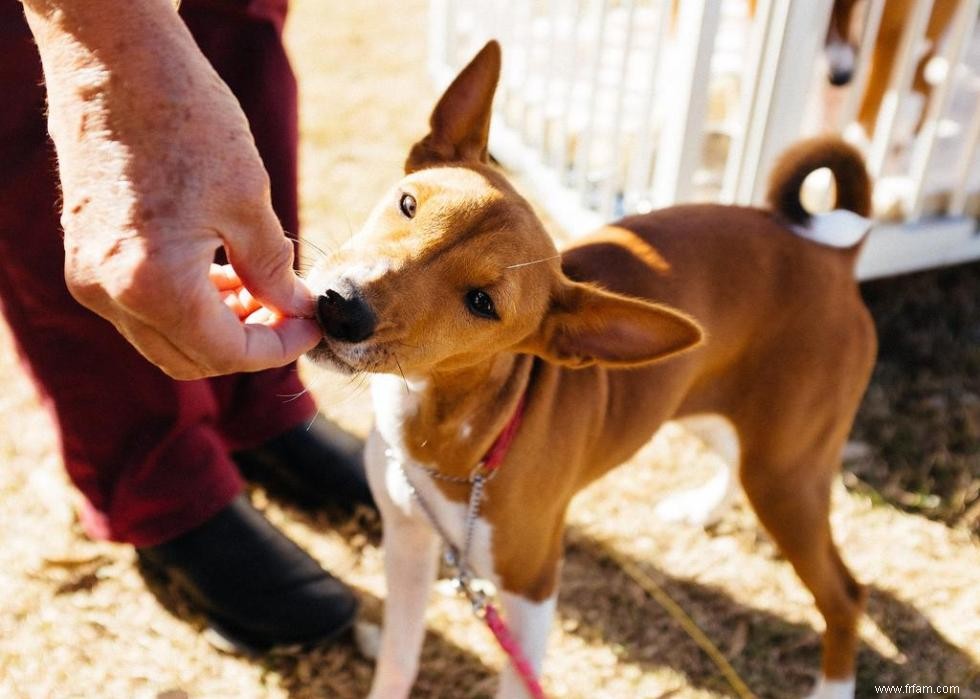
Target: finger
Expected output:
[249,302]
[280,342]
[241,302]
[231,300]
[218,340]
[262,316]
[311,300]
[224,277]
[263,259]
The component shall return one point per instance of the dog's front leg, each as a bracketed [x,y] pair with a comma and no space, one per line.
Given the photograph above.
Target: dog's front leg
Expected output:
[411,556]
[530,624]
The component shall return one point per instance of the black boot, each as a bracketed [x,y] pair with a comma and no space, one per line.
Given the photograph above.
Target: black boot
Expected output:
[257,588]
[313,465]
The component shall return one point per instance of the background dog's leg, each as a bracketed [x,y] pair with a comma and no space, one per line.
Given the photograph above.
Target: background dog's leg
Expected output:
[706,504]
[411,555]
[530,622]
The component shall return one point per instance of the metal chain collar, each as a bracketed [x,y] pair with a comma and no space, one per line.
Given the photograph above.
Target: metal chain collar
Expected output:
[455,556]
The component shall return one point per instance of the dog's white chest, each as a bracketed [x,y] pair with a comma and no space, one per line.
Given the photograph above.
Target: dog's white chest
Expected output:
[404,487]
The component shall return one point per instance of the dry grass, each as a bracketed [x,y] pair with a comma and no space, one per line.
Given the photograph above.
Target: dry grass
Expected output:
[922,412]
[77,618]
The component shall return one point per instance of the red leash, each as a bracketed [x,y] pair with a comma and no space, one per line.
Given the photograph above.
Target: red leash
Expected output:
[510,646]
[498,627]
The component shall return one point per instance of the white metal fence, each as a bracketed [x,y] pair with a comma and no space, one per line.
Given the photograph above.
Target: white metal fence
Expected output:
[609,107]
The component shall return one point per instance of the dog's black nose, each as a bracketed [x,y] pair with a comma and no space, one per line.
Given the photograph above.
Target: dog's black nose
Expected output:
[345,319]
[840,76]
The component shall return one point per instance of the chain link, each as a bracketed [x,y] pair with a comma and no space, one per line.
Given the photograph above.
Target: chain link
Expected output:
[456,557]
[477,472]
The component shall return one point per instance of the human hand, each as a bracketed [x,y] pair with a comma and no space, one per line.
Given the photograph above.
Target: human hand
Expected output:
[158,171]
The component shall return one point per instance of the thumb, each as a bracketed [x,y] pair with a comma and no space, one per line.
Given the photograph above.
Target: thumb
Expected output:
[262,256]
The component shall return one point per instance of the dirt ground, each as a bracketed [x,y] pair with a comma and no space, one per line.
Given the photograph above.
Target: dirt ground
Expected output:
[78,619]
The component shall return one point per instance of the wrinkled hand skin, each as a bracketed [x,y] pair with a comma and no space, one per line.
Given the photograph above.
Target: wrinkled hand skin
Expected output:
[158,170]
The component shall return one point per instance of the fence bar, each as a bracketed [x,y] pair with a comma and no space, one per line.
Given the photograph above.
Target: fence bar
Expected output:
[501,25]
[543,182]
[583,152]
[899,86]
[794,36]
[925,146]
[968,154]
[613,180]
[859,82]
[564,162]
[897,248]
[638,177]
[682,134]
[756,87]
[442,33]
[484,18]
[802,41]
[523,33]
[545,132]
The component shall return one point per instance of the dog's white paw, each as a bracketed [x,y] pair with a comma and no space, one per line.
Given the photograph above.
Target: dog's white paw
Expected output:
[367,636]
[833,689]
[699,507]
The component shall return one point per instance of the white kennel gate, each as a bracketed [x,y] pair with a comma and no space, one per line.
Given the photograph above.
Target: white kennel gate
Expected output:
[609,107]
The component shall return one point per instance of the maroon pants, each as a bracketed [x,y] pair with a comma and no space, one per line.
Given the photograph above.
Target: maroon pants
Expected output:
[150,454]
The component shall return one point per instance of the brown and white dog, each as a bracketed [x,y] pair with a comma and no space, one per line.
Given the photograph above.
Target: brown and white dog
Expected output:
[746,324]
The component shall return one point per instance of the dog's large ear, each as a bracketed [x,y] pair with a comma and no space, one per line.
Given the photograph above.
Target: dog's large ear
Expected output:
[460,123]
[587,326]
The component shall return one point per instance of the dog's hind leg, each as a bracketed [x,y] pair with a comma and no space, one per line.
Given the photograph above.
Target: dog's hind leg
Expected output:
[706,504]
[795,511]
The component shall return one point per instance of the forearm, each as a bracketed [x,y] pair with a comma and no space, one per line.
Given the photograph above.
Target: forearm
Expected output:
[119,75]
[97,25]
[93,49]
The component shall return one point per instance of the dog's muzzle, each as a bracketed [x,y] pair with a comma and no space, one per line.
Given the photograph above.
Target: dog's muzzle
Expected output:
[345,319]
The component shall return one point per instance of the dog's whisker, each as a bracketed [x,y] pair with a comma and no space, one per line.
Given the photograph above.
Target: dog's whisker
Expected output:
[350,228]
[312,245]
[401,371]
[533,262]
[315,416]
[308,388]
[297,242]
[343,387]
[350,392]
[352,388]
[365,378]
[290,397]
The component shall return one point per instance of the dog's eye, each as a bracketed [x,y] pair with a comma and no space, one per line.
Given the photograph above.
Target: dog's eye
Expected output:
[480,303]
[407,205]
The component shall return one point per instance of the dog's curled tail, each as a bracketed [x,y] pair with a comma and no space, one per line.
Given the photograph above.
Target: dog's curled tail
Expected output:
[799,160]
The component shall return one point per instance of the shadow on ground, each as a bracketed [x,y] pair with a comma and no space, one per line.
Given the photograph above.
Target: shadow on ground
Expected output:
[601,604]
[775,657]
